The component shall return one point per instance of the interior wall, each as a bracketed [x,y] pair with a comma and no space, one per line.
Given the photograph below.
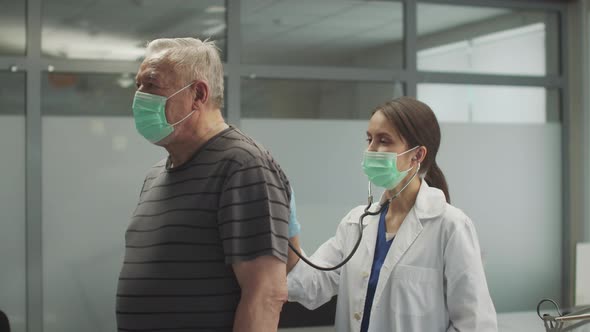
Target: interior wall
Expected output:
[502,176]
[83,233]
[93,170]
[12,219]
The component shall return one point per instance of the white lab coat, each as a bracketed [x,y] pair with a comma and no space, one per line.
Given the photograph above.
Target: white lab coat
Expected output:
[432,278]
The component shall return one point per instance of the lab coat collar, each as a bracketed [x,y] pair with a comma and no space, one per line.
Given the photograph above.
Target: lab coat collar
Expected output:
[430,203]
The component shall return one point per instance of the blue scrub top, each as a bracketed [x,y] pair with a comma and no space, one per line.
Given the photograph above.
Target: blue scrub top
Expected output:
[381,249]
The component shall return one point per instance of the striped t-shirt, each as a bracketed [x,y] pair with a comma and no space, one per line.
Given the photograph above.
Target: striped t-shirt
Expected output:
[229,203]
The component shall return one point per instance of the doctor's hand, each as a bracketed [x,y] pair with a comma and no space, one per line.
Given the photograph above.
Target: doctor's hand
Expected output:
[294,230]
[294,226]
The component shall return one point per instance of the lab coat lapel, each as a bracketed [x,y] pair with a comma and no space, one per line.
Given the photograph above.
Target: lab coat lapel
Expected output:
[370,228]
[430,204]
[406,235]
[370,235]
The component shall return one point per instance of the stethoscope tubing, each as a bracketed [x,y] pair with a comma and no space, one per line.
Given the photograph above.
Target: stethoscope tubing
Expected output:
[360,225]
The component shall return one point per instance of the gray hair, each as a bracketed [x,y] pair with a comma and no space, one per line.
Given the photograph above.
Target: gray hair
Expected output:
[193,59]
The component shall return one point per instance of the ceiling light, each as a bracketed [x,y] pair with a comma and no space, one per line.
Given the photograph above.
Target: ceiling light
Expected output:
[125,81]
[210,22]
[214,30]
[215,10]
[536,28]
[97,127]
[120,143]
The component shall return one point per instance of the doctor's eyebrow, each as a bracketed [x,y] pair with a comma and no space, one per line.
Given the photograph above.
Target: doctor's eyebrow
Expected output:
[381,134]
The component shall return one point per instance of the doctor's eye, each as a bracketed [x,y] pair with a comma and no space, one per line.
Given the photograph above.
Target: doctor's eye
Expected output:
[368,139]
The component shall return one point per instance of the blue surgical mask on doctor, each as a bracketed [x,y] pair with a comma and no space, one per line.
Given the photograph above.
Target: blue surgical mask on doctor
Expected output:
[149,113]
[381,168]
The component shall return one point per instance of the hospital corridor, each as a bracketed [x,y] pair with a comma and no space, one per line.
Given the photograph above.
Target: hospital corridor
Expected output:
[294,165]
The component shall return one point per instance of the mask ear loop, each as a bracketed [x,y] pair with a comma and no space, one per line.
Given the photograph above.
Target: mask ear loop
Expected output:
[177,92]
[174,94]
[407,184]
[410,150]
[414,159]
[177,122]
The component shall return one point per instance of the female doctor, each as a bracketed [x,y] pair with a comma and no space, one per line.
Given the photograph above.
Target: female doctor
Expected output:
[418,267]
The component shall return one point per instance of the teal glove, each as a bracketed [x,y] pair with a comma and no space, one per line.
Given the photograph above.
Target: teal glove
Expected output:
[294,226]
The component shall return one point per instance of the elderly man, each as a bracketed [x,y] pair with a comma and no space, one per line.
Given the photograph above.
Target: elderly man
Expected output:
[207,244]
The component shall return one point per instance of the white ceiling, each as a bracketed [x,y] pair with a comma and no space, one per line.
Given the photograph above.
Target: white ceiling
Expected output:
[340,32]
[273,31]
[316,28]
[433,18]
[12,27]
[119,29]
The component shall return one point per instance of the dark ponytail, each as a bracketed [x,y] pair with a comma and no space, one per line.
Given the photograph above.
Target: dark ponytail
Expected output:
[417,125]
[435,178]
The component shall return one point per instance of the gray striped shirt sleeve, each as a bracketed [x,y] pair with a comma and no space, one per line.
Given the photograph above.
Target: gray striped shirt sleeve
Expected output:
[254,212]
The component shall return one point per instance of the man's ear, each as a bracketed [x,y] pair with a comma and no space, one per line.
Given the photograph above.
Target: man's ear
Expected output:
[201,94]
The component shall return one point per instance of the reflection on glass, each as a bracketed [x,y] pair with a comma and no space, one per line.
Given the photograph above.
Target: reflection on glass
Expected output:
[12,199]
[311,99]
[93,168]
[119,30]
[89,94]
[323,32]
[487,40]
[12,27]
[490,104]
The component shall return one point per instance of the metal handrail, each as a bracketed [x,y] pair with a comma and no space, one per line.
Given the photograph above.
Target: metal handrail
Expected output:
[556,323]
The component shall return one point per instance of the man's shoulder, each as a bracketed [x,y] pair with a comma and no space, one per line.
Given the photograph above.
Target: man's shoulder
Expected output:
[240,147]
[157,168]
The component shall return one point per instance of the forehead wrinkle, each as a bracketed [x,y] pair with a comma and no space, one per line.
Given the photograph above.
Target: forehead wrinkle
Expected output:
[159,63]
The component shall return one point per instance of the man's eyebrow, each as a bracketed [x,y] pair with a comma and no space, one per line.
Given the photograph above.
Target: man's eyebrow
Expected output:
[151,76]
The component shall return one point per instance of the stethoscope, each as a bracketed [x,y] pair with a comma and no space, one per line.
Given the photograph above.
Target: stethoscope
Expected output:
[360,225]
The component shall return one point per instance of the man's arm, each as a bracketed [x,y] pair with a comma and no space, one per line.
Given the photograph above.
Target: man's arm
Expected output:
[264,290]
[253,220]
